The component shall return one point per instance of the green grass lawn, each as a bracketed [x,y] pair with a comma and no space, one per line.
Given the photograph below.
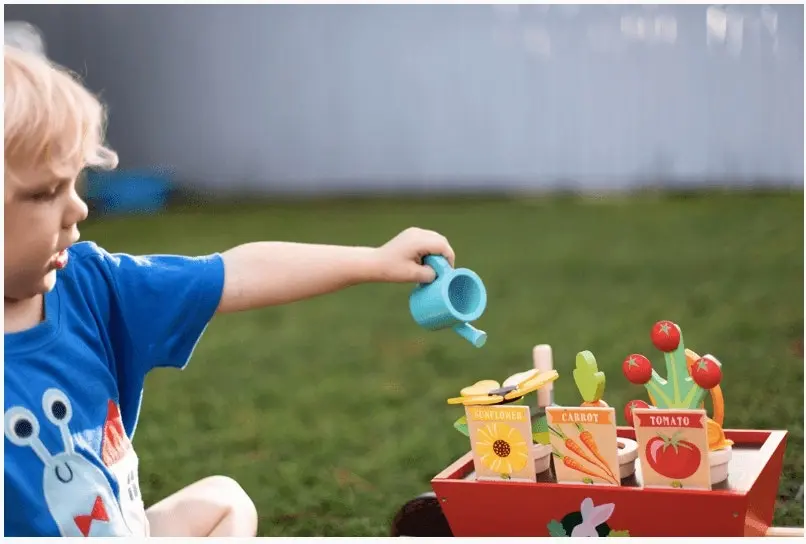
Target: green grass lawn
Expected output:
[331,412]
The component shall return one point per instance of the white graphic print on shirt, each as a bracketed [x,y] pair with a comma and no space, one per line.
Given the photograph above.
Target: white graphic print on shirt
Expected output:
[77,493]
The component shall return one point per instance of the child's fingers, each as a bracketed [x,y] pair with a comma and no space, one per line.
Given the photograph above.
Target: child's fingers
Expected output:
[436,244]
[424,274]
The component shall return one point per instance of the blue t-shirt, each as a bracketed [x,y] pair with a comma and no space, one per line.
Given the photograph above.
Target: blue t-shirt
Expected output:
[74,383]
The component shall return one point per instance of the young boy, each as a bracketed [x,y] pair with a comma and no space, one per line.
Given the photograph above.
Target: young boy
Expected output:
[83,327]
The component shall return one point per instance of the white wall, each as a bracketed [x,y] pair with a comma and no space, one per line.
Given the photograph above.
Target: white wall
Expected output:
[313,97]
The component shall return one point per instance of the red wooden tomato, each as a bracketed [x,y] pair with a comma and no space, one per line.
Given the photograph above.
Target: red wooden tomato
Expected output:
[628,410]
[637,369]
[672,457]
[665,336]
[707,372]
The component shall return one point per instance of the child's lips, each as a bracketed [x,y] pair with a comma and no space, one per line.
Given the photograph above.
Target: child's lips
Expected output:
[61,259]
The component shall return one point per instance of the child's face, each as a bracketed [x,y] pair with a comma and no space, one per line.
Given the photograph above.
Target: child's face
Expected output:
[42,211]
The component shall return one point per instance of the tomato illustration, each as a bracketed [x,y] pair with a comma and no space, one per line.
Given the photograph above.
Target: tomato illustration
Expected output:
[665,336]
[673,457]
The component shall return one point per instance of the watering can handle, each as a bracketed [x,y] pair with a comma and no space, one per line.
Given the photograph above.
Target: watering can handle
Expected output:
[439,263]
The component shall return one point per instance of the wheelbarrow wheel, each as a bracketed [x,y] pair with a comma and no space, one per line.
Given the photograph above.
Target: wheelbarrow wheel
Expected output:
[421,516]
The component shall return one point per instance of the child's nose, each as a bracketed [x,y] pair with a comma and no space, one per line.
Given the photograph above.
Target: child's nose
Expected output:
[77,210]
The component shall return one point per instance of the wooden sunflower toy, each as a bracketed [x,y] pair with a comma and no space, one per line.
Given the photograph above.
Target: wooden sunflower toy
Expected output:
[500,426]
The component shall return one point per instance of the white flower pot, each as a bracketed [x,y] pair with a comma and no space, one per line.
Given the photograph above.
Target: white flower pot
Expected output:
[627,454]
[720,459]
[542,455]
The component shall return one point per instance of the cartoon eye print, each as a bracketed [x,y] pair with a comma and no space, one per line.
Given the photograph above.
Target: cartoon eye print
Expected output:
[22,427]
[57,407]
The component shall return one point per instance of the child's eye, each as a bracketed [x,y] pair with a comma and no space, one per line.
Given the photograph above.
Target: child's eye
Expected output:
[43,195]
[48,194]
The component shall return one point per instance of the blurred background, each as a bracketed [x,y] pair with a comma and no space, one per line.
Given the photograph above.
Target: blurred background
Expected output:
[600,167]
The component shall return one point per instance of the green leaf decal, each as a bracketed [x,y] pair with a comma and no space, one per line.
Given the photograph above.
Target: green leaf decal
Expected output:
[556,529]
[461,426]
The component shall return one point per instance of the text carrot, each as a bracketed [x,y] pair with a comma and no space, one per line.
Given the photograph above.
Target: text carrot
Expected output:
[587,438]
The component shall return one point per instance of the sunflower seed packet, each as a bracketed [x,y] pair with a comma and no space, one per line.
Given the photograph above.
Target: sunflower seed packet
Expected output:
[501,441]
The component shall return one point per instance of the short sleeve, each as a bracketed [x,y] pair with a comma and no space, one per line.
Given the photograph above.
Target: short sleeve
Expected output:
[160,305]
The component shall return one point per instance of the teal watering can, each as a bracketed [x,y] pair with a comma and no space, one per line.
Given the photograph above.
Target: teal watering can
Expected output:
[454,299]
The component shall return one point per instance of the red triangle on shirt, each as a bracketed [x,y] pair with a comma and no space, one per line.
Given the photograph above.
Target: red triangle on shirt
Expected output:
[84,522]
[115,442]
[99,511]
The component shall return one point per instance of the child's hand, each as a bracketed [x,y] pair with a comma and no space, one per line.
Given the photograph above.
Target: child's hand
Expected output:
[400,259]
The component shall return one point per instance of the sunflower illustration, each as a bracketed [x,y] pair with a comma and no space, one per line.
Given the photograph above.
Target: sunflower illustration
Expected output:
[502,449]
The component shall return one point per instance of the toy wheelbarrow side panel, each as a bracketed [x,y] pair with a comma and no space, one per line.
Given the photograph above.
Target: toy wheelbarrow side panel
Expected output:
[763,494]
[477,508]
[486,509]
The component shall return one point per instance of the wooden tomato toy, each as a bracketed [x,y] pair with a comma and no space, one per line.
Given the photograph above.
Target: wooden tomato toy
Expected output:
[689,378]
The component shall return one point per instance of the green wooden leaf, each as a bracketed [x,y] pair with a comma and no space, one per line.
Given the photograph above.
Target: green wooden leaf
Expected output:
[556,529]
[590,381]
[540,431]
[461,426]
[542,438]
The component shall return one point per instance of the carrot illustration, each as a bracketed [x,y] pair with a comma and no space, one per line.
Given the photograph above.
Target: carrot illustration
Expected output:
[587,438]
[577,449]
[573,464]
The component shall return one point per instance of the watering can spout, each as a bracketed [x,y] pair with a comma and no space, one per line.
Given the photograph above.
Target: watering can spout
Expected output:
[471,334]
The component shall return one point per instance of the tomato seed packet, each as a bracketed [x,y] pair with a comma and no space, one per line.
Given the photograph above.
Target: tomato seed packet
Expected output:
[673,448]
[584,445]
[501,441]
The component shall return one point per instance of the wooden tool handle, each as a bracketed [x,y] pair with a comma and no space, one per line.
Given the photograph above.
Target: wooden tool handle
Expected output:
[785,531]
[543,361]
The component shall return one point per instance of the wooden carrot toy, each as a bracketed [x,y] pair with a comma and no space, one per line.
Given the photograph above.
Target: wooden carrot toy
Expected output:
[590,382]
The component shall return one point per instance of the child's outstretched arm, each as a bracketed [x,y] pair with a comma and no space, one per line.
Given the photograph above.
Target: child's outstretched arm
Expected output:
[263,274]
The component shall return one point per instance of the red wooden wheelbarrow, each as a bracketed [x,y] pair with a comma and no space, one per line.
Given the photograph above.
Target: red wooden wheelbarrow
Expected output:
[741,505]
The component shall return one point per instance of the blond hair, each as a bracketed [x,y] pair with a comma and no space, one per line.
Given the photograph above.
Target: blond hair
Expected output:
[51,120]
